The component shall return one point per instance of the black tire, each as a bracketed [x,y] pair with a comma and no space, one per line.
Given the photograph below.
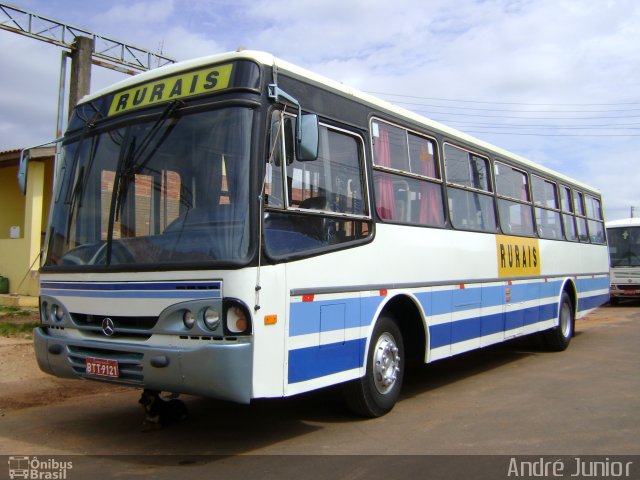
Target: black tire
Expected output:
[376,393]
[557,339]
[614,301]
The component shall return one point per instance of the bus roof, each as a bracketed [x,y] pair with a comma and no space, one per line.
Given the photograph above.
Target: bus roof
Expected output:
[284,66]
[625,222]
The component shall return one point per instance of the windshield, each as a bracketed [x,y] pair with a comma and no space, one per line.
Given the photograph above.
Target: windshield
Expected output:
[624,246]
[172,190]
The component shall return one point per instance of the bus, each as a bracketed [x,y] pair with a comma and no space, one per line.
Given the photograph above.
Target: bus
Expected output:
[624,249]
[237,227]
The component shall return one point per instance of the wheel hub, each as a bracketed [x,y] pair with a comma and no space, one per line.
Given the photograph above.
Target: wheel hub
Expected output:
[386,363]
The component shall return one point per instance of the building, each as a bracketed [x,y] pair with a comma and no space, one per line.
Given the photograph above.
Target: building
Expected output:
[23,219]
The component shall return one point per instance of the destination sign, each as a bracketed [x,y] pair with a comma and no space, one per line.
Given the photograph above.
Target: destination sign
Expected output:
[183,85]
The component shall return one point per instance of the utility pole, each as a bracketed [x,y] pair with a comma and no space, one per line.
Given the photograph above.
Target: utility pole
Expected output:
[83,47]
[80,82]
[633,211]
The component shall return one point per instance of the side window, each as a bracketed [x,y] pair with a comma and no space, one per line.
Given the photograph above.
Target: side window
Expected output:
[317,204]
[470,196]
[514,204]
[581,221]
[547,209]
[568,219]
[408,186]
[595,220]
[273,182]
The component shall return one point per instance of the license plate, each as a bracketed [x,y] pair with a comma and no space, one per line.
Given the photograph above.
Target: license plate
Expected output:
[102,367]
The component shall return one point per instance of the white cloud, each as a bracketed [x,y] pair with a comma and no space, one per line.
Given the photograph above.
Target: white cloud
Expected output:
[522,51]
[135,14]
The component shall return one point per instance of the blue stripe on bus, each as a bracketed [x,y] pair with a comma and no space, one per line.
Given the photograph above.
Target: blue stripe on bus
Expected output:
[313,362]
[214,294]
[476,327]
[588,303]
[305,317]
[322,316]
[308,317]
[132,286]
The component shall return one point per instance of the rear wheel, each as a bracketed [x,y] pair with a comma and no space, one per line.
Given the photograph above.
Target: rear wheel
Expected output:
[558,338]
[376,393]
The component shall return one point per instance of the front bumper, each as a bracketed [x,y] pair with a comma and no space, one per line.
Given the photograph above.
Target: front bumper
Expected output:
[216,370]
[625,291]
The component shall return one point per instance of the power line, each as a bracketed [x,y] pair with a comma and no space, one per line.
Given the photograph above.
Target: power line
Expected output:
[502,103]
[428,113]
[515,111]
[553,127]
[555,134]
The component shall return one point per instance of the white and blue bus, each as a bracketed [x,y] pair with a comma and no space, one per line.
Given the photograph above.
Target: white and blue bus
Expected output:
[624,249]
[237,227]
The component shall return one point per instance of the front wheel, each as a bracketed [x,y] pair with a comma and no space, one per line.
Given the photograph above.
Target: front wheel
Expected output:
[557,339]
[376,393]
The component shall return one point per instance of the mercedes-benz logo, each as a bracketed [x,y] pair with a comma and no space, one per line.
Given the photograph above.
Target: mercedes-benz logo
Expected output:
[108,327]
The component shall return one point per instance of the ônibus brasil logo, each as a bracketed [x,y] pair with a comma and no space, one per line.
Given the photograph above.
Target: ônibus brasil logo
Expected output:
[38,469]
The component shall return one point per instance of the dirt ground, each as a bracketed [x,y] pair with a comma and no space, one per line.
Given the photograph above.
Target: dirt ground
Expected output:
[23,384]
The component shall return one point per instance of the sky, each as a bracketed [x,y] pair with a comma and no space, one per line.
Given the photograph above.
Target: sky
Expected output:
[556,81]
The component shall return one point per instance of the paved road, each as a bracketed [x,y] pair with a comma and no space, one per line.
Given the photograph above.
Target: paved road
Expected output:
[510,400]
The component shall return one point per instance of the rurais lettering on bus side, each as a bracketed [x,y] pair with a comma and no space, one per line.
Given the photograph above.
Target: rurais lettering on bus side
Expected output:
[517,256]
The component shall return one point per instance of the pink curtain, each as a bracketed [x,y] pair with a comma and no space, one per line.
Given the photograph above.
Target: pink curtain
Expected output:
[385,203]
[430,201]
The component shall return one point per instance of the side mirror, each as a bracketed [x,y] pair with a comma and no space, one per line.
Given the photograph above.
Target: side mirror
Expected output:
[307,141]
[306,129]
[23,168]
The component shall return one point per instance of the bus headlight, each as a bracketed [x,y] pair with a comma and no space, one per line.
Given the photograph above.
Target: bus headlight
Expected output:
[56,313]
[189,319]
[211,318]
[237,320]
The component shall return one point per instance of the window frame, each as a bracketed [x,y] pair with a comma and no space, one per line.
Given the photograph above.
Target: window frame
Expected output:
[292,215]
[453,186]
[438,180]
[506,198]
[542,207]
[581,217]
[568,214]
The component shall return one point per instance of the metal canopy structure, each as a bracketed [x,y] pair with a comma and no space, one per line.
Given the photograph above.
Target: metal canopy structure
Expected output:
[107,52]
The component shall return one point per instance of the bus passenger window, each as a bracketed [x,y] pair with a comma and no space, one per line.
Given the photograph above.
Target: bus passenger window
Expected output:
[514,204]
[546,208]
[470,198]
[407,190]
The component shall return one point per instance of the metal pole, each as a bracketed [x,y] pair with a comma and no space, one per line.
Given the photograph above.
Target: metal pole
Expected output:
[60,121]
[61,94]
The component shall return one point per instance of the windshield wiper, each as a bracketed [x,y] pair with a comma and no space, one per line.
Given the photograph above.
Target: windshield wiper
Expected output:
[75,202]
[128,167]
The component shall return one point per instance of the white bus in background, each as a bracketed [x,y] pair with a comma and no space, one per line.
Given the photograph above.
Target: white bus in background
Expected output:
[238,227]
[624,250]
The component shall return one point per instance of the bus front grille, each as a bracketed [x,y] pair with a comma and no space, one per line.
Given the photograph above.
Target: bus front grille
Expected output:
[129,328]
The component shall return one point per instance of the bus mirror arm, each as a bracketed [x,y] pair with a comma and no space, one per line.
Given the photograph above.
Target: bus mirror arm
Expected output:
[306,126]
[23,166]
[23,169]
